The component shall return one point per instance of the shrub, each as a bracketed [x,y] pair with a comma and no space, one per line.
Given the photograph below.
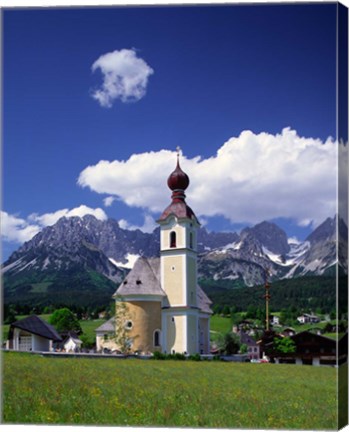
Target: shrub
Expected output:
[157,355]
[195,357]
[176,356]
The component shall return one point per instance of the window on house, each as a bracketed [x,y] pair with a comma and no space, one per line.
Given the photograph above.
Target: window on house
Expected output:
[172,239]
[191,240]
[157,338]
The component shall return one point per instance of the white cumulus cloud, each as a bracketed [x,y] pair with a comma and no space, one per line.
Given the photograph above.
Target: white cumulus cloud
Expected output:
[253,177]
[48,219]
[125,77]
[15,229]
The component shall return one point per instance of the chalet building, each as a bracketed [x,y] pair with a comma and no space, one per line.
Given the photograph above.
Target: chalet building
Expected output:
[164,307]
[32,334]
[311,349]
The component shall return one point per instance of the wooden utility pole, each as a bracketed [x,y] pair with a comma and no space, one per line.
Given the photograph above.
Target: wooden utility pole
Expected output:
[267,298]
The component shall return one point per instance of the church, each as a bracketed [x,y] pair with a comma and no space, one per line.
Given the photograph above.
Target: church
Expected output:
[159,305]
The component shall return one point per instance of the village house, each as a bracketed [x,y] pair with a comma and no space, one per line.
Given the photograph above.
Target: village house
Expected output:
[311,349]
[253,348]
[72,343]
[32,334]
[308,319]
[105,336]
[288,331]
[163,307]
[274,320]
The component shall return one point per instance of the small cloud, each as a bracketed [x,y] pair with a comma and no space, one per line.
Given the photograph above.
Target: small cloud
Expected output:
[109,201]
[125,77]
[203,221]
[15,229]
[148,226]
[304,223]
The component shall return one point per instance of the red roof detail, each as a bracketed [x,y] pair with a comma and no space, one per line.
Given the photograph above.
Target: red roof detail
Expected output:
[179,209]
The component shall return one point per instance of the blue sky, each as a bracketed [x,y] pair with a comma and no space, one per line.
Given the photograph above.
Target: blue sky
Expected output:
[208,75]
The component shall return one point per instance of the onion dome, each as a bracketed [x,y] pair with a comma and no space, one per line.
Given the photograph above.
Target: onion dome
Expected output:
[178,179]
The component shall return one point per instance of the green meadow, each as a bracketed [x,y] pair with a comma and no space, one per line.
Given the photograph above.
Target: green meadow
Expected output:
[92,391]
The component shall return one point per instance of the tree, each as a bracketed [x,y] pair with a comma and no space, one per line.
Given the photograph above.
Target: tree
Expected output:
[284,345]
[243,349]
[251,312]
[9,315]
[64,321]
[231,344]
[226,310]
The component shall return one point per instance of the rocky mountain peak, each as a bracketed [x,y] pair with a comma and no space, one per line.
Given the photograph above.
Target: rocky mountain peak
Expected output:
[87,248]
[270,236]
[325,231]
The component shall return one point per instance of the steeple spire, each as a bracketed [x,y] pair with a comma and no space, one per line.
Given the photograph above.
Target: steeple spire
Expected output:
[178,181]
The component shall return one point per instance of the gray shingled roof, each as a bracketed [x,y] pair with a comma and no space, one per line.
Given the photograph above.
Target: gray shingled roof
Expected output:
[143,279]
[108,326]
[203,301]
[36,325]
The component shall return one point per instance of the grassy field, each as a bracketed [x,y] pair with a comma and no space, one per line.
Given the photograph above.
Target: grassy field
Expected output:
[158,393]
[220,324]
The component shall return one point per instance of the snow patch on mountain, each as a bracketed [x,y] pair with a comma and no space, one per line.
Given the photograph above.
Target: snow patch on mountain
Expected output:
[234,246]
[274,257]
[13,265]
[297,252]
[130,261]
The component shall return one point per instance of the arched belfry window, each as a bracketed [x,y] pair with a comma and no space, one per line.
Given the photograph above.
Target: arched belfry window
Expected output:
[172,239]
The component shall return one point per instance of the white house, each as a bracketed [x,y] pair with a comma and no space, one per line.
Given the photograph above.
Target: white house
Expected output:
[32,334]
[72,343]
[307,318]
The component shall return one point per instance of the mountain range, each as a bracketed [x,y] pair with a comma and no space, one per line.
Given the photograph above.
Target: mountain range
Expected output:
[83,259]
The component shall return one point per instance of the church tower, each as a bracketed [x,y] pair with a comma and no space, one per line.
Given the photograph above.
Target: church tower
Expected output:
[178,267]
